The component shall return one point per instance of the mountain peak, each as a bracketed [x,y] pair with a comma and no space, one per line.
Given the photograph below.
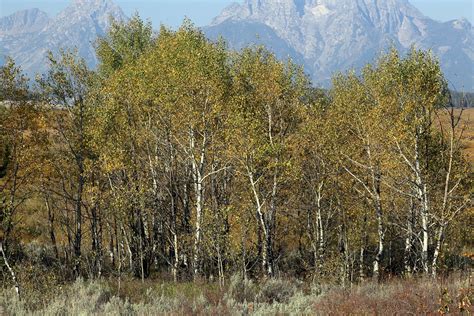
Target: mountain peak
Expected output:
[23,22]
[76,27]
[91,3]
[94,6]
[462,24]
[374,9]
[97,11]
[336,35]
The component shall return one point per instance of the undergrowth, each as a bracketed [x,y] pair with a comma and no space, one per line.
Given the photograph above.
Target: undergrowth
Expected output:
[453,295]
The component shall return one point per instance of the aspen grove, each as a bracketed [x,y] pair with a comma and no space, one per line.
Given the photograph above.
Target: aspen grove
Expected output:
[180,157]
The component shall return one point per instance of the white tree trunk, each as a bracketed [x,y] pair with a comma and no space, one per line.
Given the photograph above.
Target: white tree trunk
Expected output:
[198,170]
[12,273]
[425,230]
[408,247]
[197,236]
[321,235]
[422,195]
[381,235]
[439,244]
[364,241]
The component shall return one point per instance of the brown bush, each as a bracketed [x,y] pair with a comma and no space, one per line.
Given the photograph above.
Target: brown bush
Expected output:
[401,297]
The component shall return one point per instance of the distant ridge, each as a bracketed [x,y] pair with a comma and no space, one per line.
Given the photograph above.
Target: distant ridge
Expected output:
[326,36]
[27,35]
[23,22]
[336,35]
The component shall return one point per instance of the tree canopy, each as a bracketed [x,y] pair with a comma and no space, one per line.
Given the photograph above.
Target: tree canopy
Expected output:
[178,155]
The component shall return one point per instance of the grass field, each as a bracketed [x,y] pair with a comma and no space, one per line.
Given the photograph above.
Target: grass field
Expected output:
[415,296]
[467,127]
[468,134]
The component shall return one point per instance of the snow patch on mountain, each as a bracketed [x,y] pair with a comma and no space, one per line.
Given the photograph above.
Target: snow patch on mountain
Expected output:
[320,10]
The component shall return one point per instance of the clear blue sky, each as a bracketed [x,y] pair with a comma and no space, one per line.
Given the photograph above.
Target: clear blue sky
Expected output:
[172,12]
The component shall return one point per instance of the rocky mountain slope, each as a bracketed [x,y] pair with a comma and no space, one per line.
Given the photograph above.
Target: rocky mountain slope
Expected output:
[336,35]
[325,36]
[28,35]
[23,22]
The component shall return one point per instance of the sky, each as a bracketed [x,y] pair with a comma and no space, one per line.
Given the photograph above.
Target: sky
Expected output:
[201,12]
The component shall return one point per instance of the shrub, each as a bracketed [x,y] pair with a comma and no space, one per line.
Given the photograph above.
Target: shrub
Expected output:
[117,306]
[10,304]
[41,255]
[401,297]
[299,304]
[80,298]
[241,290]
[274,297]
[276,290]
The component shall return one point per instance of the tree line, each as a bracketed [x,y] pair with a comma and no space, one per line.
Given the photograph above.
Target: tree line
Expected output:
[180,156]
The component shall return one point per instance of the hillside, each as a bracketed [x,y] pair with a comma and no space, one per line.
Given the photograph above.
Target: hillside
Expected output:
[28,35]
[334,36]
[325,36]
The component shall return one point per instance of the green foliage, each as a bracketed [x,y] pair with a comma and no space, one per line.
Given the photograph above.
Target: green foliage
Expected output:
[13,83]
[181,159]
[67,81]
[241,290]
[124,43]
[13,89]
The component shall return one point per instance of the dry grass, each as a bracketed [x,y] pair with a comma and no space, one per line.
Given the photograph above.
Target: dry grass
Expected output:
[467,127]
[468,136]
[453,295]
[401,297]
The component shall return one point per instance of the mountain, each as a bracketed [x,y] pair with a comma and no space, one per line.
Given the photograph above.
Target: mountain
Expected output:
[28,35]
[241,34]
[327,36]
[23,22]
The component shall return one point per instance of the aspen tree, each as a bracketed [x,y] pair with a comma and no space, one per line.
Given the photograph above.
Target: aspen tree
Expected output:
[65,88]
[268,97]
